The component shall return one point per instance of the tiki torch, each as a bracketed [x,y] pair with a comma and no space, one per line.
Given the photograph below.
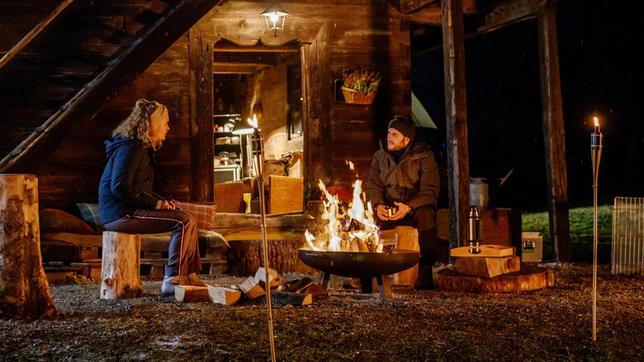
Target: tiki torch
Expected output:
[257,140]
[596,155]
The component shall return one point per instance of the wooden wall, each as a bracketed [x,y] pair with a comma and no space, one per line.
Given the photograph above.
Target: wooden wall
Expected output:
[334,37]
[80,158]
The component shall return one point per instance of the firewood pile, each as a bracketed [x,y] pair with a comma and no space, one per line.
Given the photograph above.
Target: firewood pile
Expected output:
[296,292]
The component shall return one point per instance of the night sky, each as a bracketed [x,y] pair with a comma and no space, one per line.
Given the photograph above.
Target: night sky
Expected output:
[600,73]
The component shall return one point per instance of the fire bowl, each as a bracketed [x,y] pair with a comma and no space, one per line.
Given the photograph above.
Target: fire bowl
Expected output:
[359,264]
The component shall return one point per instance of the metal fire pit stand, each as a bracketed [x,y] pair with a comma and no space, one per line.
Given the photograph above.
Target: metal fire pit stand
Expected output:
[366,284]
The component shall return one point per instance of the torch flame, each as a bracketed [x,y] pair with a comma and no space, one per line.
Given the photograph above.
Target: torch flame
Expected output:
[596,121]
[253,122]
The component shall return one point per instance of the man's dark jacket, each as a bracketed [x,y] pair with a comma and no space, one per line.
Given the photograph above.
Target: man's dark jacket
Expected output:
[412,180]
[126,183]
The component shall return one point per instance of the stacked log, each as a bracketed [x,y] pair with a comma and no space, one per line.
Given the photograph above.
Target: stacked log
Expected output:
[493,269]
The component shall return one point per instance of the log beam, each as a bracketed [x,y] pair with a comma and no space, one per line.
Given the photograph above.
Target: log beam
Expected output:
[201,111]
[512,12]
[553,134]
[456,114]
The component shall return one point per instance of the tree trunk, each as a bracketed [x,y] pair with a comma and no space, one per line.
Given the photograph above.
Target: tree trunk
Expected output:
[245,257]
[24,291]
[120,270]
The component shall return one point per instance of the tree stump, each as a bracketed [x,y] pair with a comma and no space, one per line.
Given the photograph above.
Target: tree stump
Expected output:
[120,269]
[528,278]
[245,257]
[24,290]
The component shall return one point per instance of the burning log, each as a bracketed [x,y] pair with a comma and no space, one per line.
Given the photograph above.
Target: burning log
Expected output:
[222,295]
[191,294]
[251,288]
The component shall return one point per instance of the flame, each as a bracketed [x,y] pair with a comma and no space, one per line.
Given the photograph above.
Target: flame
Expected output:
[596,121]
[253,122]
[342,228]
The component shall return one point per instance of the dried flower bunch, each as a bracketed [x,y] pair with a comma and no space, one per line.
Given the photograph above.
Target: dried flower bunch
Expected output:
[363,81]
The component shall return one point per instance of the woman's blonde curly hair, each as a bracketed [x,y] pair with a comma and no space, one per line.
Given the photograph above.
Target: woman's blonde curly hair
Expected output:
[137,124]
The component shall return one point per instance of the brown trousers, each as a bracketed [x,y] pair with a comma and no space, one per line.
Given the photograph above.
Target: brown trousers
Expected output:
[183,251]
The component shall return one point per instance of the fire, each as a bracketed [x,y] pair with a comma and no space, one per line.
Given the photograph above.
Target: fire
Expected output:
[352,230]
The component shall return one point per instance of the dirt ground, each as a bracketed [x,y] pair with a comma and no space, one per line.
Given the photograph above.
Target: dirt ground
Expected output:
[551,324]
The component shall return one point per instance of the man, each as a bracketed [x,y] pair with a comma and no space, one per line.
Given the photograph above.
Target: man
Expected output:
[403,187]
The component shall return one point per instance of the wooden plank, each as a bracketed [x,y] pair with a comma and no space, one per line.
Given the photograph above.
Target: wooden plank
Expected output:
[490,251]
[554,135]
[316,75]
[33,33]
[201,110]
[511,12]
[456,118]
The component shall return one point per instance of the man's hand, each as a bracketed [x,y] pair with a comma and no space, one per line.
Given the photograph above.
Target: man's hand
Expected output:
[381,212]
[401,211]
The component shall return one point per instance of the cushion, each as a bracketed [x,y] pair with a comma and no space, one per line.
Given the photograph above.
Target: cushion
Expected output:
[54,220]
[89,213]
[203,214]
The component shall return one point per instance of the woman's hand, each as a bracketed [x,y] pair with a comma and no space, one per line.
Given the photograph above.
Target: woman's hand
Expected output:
[165,205]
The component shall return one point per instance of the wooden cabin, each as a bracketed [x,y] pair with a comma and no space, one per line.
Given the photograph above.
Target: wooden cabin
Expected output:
[72,70]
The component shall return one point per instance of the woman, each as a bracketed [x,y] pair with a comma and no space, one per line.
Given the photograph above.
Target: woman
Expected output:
[127,203]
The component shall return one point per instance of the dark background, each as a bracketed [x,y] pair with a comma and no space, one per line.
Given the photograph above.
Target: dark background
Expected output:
[600,64]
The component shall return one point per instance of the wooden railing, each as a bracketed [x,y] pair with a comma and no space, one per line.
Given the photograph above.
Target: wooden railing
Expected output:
[33,33]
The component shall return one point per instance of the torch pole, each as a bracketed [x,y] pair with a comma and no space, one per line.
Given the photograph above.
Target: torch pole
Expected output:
[596,154]
[258,141]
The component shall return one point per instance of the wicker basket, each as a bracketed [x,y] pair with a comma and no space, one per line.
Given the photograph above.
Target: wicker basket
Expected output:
[354,97]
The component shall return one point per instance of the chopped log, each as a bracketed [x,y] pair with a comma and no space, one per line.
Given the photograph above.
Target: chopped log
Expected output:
[489,251]
[191,294]
[529,278]
[274,279]
[487,267]
[24,291]
[317,291]
[283,298]
[251,288]
[222,295]
[295,286]
[120,269]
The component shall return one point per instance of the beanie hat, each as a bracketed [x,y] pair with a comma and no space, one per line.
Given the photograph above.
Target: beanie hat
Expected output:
[404,125]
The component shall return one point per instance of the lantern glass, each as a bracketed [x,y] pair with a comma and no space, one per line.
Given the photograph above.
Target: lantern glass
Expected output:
[275,17]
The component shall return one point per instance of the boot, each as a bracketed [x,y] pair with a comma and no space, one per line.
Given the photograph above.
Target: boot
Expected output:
[425,279]
[195,280]
[170,281]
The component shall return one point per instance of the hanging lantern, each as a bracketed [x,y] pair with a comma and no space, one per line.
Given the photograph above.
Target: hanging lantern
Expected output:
[275,17]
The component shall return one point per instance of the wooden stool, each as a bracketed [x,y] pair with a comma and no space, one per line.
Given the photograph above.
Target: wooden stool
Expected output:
[120,269]
[404,237]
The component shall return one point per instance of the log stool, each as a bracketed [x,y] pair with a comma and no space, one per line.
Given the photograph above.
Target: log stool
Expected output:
[120,268]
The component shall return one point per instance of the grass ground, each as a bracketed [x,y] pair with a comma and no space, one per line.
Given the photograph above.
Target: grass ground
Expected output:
[581,232]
